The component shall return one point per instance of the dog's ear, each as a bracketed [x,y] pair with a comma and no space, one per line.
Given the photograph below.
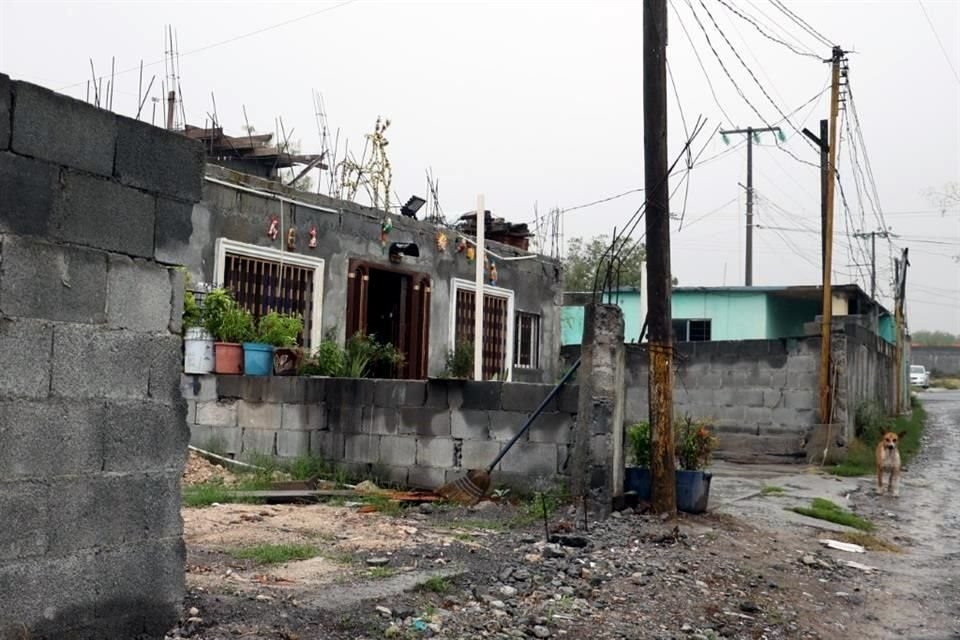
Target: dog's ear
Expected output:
[902,434]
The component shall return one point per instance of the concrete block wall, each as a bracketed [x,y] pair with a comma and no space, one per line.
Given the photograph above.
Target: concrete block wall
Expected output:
[760,394]
[412,432]
[92,430]
[941,361]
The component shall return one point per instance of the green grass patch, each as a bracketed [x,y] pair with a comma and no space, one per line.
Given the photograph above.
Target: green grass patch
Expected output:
[822,509]
[772,490]
[379,573]
[276,553]
[436,584]
[309,468]
[215,492]
[861,455]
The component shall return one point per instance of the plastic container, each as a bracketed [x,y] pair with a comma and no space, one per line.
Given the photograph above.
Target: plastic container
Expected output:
[228,358]
[637,480]
[693,490]
[257,359]
[197,351]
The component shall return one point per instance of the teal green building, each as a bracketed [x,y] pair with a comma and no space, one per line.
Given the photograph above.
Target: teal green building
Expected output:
[730,313]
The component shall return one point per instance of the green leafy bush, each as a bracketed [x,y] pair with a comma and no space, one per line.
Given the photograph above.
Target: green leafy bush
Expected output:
[694,443]
[192,316]
[361,357]
[280,330]
[460,360]
[236,325]
[638,437]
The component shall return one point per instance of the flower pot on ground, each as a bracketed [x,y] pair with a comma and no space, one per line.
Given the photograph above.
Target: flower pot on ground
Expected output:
[695,443]
[230,326]
[637,476]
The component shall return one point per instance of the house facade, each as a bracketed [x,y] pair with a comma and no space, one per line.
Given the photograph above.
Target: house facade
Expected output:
[731,313]
[347,268]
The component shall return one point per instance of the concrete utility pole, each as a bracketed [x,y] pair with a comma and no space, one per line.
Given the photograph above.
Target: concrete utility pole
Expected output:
[750,131]
[873,235]
[478,294]
[660,347]
[827,312]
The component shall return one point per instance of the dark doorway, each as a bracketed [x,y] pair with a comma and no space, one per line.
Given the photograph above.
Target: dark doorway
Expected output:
[393,306]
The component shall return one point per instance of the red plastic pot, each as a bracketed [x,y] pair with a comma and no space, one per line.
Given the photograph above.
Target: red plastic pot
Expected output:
[228,358]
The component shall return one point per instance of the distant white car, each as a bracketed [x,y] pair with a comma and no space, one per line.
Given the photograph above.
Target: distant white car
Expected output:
[919,377]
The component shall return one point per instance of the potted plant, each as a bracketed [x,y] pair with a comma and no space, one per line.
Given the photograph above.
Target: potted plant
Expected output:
[694,446]
[637,476]
[230,326]
[197,341]
[279,332]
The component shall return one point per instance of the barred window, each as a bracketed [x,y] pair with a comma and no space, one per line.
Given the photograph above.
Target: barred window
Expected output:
[264,280]
[497,329]
[526,349]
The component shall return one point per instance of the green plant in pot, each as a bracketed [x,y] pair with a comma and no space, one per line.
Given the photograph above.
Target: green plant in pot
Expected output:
[198,355]
[695,444]
[230,326]
[637,476]
[281,332]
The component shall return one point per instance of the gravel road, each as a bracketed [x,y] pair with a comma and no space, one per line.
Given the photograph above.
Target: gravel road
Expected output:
[920,597]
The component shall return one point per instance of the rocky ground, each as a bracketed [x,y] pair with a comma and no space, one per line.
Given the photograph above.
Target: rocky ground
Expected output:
[748,570]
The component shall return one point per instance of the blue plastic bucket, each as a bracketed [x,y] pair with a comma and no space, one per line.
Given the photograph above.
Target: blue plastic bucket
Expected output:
[693,490]
[637,480]
[257,359]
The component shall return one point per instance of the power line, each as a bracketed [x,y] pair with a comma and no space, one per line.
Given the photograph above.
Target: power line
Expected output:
[803,24]
[780,29]
[936,35]
[227,41]
[700,62]
[766,35]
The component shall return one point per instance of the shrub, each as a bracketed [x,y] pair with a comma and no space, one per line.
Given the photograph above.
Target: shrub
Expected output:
[215,306]
[694,443]
[280,330]
[638,437]
[460,360]
[236,325]
[362,357]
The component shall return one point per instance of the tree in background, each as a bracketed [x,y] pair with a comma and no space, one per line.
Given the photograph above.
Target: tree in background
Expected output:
[934,338]
[583,256]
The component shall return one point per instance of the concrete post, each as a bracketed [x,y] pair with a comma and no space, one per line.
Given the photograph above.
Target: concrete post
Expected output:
[597,455]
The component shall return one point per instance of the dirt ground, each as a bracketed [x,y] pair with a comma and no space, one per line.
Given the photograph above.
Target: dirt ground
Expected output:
[451,572]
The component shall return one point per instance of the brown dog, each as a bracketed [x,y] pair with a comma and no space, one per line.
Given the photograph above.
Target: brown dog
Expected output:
[888,462]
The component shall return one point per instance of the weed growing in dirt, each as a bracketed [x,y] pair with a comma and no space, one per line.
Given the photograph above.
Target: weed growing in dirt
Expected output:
[204,495]
[952,384]
[384,505]
[309,467]
[379,573]
[870,426]
[772,490]
[276,553]
[869,541]
[831,512]
[436,584]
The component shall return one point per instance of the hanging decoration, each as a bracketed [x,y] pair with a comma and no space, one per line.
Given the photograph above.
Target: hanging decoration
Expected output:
[471,253]
[461,245]
[441,240]
[385,228]
[291,239]
[313,237]
[493,273]
[274,229]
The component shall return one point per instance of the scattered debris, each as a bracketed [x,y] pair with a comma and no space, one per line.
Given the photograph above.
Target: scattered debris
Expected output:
[843,546]
[862,567]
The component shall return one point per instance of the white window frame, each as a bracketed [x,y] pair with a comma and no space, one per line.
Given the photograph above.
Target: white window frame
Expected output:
[499,292]
[225,245]
[534,344]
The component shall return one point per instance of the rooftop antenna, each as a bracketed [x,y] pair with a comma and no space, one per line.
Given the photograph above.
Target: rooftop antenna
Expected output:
[96,90]
[434,211]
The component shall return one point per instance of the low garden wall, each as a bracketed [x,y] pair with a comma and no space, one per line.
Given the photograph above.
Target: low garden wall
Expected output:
[411,432]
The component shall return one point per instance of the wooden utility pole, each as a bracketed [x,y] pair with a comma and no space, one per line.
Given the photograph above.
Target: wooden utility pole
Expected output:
[827,312]
[824,146]
[900,293]
[749,132]
[660,347]
[478,294]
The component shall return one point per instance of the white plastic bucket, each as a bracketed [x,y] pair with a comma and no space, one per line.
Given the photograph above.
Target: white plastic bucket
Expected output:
[197,351]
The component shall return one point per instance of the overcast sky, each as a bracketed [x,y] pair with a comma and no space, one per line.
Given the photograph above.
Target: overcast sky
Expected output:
[542,102]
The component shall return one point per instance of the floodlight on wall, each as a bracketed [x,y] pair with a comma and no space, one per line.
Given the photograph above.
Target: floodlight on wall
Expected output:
[413,205]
